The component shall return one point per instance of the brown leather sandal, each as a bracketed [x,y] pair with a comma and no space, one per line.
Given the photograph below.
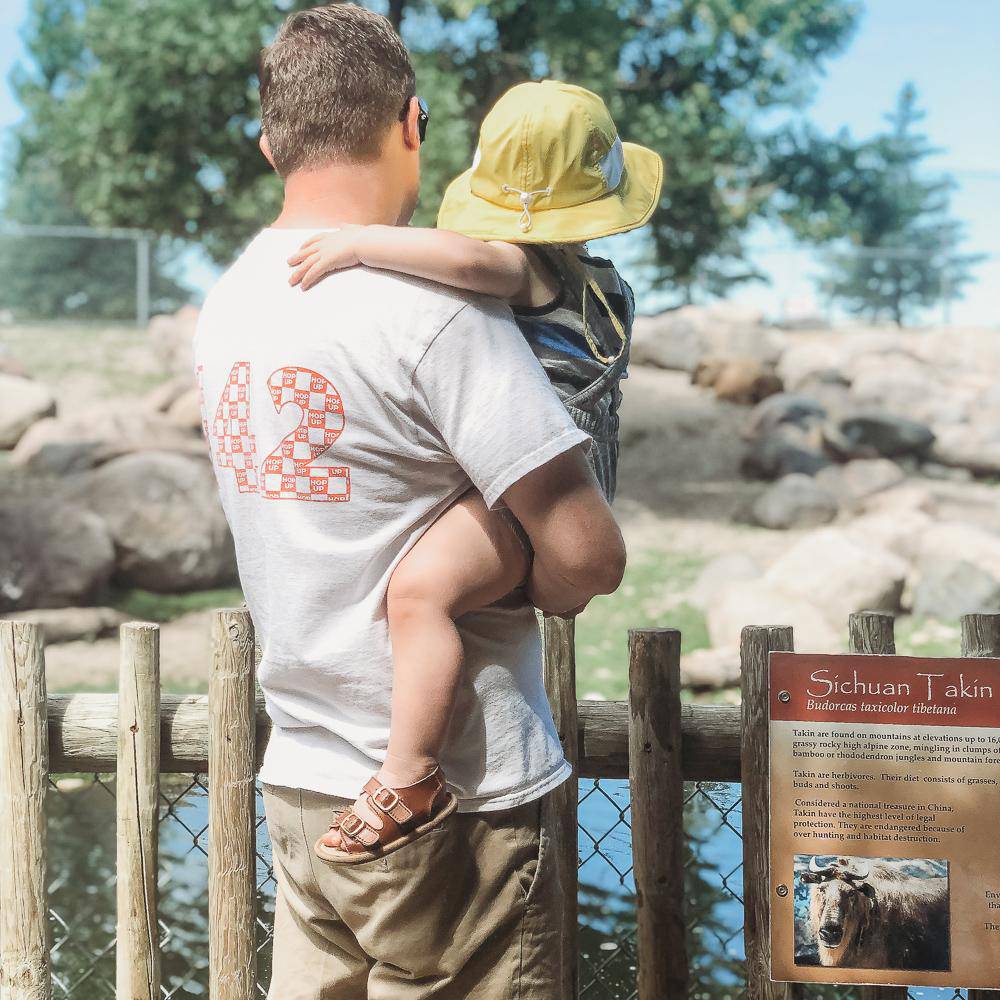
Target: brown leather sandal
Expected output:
[405,814]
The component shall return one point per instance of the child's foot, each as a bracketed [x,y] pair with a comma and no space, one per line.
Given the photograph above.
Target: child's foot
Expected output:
[387,815]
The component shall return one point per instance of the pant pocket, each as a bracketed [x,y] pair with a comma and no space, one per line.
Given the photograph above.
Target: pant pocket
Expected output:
[530,847]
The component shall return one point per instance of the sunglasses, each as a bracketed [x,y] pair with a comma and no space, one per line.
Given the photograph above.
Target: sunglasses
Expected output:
[423,116]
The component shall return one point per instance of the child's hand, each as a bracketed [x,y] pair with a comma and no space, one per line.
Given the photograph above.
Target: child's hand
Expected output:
[323,254]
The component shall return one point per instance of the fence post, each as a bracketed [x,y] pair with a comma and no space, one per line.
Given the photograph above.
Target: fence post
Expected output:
[755,646]
[656,784]
[560,683]
[25,973]
[981,637]
[137,796]
[232,890]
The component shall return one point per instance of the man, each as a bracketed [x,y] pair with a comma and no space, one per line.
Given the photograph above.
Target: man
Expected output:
[342,423]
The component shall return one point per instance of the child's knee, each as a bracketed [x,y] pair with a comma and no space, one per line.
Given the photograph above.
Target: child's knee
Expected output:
[412,587]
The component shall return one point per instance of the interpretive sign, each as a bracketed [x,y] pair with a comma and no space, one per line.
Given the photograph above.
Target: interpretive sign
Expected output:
[885,820]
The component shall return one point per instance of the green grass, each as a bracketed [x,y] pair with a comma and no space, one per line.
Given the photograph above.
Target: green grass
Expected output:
[144,605]
[927,637]
[650,595]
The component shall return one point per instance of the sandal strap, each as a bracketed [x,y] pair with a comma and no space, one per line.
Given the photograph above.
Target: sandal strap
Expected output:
[388,802]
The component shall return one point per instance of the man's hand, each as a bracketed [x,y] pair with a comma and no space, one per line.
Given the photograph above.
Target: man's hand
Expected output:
[325,253]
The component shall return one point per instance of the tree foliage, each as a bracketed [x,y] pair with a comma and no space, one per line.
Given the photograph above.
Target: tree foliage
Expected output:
[147,109]
[900,247]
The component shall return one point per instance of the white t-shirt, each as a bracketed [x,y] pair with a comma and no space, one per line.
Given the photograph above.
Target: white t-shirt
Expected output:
[342,422]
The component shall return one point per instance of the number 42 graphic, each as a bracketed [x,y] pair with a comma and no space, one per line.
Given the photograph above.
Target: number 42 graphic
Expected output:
[288,472]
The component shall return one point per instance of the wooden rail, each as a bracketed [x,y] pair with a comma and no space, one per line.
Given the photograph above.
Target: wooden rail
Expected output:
[654,740]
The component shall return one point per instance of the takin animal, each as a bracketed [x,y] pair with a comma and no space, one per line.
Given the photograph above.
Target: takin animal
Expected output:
[874,916]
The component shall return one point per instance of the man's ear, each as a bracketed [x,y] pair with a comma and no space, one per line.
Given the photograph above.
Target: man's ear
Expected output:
[265,148]
[411,132]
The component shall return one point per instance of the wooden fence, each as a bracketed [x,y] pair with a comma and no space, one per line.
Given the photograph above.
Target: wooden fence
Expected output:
[655,740]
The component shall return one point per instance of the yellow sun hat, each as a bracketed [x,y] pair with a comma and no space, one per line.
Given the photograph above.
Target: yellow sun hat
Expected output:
[550,168]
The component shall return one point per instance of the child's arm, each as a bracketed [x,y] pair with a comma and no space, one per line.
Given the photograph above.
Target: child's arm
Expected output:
[500,269]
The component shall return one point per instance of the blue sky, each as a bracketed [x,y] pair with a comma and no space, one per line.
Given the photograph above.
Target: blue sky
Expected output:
[948,48]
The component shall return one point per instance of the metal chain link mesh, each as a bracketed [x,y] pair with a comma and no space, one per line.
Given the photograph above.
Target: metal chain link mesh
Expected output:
[82,849]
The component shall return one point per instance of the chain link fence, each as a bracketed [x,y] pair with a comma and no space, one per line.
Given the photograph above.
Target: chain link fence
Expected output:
[82,848]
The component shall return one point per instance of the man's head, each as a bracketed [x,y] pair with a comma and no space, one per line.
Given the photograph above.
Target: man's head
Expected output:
[337,87]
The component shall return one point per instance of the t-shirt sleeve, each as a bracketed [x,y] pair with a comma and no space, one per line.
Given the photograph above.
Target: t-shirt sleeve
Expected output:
[488,398]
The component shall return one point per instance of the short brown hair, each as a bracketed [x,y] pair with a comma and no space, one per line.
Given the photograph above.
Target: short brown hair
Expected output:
[331,84]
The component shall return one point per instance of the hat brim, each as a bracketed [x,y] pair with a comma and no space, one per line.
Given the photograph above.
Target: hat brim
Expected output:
[627,207]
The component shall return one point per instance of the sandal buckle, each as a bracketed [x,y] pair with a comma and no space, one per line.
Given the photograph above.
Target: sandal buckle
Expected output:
[352,824]
[386,799]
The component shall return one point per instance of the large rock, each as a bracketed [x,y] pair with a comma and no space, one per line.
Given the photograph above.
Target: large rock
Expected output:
[784,450]
[73,624]
[164,515]
[761,602]
[185,411]
[795,501]
[744,381]
[838,575]
[952,588]
[899,531]
[681,338]
[784,408]
[868,435]
[965,446]
[90,437]
[814,359]
[856,481]
[957,571]
[172,337]
[52,554]
[711,669]
[22,403]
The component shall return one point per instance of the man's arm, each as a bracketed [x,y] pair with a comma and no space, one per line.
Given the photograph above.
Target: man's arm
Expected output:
[579,552]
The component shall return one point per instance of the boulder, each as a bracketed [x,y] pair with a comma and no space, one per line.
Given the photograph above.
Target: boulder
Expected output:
[951,588]
[957,571]
[869,435]
[795,501]
[784,450]
[760,602]
[172,336]
[72,624]
[719,573]
[92,436]
[897,531]
[784,408]
[680,338]
[665,341]
[52,554]
[838,575]
[22,403]
[185,411]
[744,381]
[963,446]
[711,669]
[164,515]
[854,482]
[163,396]
[815,359]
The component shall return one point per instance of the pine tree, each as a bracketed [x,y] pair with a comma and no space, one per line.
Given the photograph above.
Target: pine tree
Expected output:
[894,249]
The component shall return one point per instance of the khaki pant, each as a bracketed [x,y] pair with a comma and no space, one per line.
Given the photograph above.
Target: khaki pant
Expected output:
[468,912]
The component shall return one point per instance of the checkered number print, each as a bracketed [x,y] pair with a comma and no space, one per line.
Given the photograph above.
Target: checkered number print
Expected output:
[288,471]
[236,447]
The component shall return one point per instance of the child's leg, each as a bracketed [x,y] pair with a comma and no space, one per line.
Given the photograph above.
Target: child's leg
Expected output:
[467,559]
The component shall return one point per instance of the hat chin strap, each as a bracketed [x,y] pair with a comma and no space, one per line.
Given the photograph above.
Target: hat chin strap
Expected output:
[526,198]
